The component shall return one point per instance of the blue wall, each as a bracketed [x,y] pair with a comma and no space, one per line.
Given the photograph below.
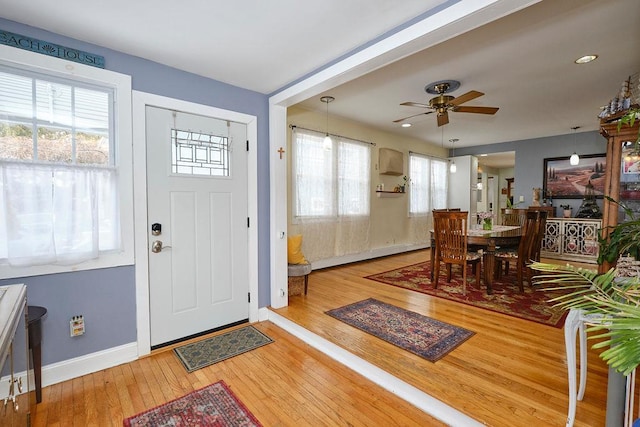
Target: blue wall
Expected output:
[106,297]
[530,155]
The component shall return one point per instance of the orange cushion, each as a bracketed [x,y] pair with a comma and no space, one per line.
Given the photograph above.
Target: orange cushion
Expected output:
[294,250]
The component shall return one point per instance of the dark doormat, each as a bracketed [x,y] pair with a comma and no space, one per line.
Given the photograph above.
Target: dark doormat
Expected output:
[220,347]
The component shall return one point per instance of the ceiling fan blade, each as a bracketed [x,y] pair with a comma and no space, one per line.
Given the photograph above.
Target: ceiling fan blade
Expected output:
[479,110]
[415,115]
[443,118]
[473,94]
[415,104]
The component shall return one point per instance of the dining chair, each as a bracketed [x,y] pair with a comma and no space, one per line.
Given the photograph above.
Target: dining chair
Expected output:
[450,231]
[515,217]
[528,250]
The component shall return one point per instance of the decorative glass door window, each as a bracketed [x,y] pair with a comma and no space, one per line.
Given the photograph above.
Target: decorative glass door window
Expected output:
[195,153]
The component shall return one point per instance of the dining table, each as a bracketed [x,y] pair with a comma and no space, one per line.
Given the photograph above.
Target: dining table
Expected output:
[500,236]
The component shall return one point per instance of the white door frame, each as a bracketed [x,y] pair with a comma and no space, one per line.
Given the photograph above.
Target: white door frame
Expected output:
[441,26]
[140,101]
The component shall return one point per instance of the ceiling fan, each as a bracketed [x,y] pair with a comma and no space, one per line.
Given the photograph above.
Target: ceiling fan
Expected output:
[442,103]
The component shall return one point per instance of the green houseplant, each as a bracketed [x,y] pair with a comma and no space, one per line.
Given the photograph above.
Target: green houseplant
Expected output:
[511,205]
[614,303]
[623,238]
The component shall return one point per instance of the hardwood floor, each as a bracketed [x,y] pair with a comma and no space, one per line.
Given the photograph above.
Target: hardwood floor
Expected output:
[511,373]
[286,383]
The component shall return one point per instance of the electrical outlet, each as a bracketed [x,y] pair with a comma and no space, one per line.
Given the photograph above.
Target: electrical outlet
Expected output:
[76,325]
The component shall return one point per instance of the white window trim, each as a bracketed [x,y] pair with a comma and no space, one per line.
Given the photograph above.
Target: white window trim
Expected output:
[122,84]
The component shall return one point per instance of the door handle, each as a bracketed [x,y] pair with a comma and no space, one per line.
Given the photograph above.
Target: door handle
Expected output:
[157,246]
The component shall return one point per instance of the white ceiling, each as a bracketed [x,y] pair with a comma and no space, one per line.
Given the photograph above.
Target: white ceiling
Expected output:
[522,62]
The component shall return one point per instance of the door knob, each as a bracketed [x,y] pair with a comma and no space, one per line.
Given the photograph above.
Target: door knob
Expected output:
[156,246]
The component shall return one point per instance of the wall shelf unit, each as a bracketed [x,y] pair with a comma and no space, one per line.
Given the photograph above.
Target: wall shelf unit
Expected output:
[383,194]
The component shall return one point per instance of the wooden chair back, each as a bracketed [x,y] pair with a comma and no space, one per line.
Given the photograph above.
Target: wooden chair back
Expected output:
[514,217]
[532,240]
[540,231]
[450,231]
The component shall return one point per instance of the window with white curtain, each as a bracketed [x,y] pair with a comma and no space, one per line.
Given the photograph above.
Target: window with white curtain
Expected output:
[330,180]
[60,178]
[429,184]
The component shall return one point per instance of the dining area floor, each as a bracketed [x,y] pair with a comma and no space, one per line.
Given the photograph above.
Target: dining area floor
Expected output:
[511,372]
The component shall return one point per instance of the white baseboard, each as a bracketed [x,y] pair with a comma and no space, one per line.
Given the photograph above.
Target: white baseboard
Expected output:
[77,367]
[411,394]
[362,256]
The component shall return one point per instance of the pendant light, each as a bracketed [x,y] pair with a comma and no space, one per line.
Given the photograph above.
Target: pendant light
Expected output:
[452,167]
[326,143]
[574,159]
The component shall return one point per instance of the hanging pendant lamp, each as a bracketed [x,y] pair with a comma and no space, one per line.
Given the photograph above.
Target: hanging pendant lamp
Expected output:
[327,142]
[452,167]
[574,160]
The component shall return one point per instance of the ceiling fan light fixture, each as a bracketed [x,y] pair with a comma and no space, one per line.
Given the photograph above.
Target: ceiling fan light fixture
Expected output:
[586,59]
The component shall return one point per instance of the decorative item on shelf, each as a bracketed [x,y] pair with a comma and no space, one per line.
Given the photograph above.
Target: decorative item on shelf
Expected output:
[536,197]
[487,220]
[621,102]
[589,208]
[405,183]
[566,211]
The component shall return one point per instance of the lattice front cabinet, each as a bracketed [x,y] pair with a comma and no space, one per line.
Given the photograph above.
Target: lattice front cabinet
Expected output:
[572,239]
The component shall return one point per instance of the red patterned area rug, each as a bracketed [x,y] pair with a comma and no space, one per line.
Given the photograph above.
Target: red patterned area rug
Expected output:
[506,298]
[214,405]
[421,335]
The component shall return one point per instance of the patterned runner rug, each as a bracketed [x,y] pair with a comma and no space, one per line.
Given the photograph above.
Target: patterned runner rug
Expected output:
[216,349]
[506,298]
[213,405]
[421,335]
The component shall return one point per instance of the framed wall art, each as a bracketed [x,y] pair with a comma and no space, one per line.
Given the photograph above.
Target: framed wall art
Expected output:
[564,181]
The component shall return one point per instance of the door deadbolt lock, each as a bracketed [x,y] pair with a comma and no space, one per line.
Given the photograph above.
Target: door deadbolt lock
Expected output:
[157,246]
[156,229]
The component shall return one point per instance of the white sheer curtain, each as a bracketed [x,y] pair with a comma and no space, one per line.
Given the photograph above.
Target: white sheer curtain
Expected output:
[331,191]
[56,214]
[427,191]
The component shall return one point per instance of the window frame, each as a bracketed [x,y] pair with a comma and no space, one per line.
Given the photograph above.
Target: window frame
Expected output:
[430,159]
[336,214]
[123,156]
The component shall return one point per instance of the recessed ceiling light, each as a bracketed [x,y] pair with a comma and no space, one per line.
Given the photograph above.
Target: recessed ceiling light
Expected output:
[585,59]
[406,125]
[483,155]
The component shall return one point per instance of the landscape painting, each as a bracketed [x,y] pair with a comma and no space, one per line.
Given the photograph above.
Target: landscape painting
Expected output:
[564,181]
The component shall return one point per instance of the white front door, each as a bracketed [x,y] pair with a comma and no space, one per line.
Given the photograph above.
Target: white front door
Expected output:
[197,216]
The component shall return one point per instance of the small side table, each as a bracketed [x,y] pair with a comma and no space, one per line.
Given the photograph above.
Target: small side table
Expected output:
[35,314]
